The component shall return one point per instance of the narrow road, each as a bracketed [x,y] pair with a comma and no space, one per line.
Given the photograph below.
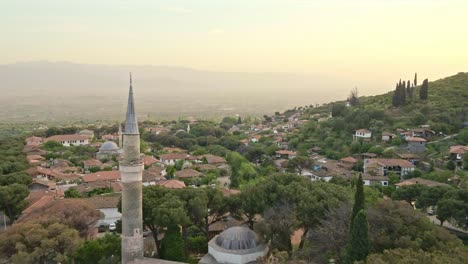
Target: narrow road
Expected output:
[445,138]
[446,224]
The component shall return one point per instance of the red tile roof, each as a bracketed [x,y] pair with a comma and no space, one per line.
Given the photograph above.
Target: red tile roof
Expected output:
[187,173]
[459,149]
[420,181]
[66,137]
[363,130]
[415,139]
[102,176]
[174,156]
[391,162]
[172,184]
[213,159]
[285,152]
[92,163]
[149,160]
[348,160]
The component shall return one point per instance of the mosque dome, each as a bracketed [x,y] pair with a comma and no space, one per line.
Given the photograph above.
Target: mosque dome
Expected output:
[237,238]
[109,146]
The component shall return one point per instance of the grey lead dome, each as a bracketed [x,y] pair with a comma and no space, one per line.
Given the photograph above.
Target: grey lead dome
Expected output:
[108,146]
[237,238]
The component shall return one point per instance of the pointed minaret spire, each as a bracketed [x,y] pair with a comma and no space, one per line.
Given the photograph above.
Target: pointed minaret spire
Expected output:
[131,123]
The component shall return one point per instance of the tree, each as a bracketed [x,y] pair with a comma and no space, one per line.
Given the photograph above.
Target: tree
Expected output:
[72,193]
[15,177]
[359,199]
[172,245]
[330,237]
[408,193]
[424,90]
[241,169]
[13,199]
[299,163]
[415,83]
[359,245]
[409,255]
[451,165]
[247,205]
[277,226]
[430,196]
[39,243]
[353,97]
[106,249]
[74,213]
[338,109]
[399,96]
[465,162]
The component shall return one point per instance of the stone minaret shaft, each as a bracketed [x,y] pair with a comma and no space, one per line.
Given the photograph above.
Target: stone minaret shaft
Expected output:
[131,170]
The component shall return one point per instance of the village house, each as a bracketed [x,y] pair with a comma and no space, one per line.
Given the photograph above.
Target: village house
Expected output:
[51,174]
[204,167]
[92,163]
[285,154]
[457,153]
[102,176]
[172,158]
[172,184]
[411,157]
[387,137]
[87,133]
[107,205]
[422,132]
[363,134]
[382,167]
[348,162]
[187,173]
[152,175]
[113,137]
[174,150]
[212,159]
[36,141]
[42,185]
[421,181]
[255,139]
[69,140]
[35,159]
[416,144]
[374,180]
[157,130]
[150,161]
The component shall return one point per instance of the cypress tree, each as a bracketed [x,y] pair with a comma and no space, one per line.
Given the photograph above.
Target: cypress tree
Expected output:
[359,244]
[415,79]
[424,90]
[359,202]
[172,245]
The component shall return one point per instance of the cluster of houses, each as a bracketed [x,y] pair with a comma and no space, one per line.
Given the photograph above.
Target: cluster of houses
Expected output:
[51,178]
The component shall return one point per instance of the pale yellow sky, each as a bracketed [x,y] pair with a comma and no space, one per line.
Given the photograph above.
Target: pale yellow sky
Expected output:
[363,40]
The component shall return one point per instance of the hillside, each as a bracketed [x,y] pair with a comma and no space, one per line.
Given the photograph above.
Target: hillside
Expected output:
[445,110]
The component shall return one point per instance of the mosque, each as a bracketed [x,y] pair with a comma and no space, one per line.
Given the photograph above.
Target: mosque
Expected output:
[236,245]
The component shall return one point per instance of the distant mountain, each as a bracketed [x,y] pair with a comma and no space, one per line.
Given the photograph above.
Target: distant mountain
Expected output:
[58,91]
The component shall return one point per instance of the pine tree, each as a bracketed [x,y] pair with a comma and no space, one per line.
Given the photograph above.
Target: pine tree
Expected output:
[424,90]
[359,202]
[359,244]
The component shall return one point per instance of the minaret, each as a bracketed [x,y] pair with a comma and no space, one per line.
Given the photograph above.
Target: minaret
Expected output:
[131,171]
[188,128]
[120,136]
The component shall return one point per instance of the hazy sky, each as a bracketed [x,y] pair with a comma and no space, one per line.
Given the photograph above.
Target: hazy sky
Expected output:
[368,40]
